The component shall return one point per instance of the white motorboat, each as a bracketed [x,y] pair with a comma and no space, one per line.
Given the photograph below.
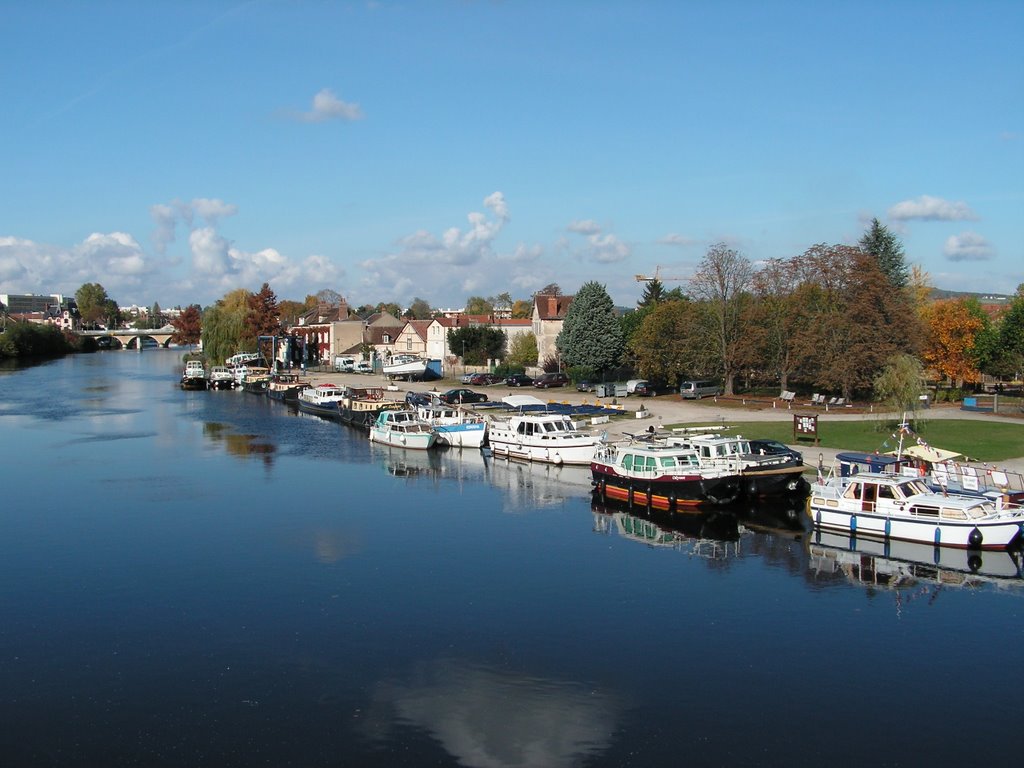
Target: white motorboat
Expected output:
[888,506]
[221,377]
[323,400]
[539,435]
[402,429]
[454,426]
[194,375]
[405,367]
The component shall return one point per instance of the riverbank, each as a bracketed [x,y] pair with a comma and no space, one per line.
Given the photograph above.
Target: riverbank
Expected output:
[666,411]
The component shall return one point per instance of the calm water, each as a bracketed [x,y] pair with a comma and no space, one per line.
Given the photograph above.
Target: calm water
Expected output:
[208,578]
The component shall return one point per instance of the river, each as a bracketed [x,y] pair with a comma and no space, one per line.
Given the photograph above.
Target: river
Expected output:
[210,578]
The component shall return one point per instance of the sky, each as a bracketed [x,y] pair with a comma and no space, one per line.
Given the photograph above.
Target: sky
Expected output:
[175,151]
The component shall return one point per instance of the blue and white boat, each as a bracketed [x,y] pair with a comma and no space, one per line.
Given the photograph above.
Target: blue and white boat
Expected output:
[454,426]
[322,400]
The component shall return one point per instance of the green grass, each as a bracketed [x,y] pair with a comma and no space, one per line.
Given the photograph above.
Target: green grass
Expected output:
[980,440]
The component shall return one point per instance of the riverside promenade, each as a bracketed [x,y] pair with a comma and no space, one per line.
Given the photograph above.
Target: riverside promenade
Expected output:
[669,410]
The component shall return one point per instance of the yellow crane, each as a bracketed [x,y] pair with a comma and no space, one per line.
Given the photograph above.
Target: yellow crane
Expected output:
[658,276]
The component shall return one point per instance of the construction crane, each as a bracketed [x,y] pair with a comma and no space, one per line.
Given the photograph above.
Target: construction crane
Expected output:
[657,276]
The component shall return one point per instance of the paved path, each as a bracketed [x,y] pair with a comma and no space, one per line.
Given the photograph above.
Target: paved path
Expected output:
[670,409]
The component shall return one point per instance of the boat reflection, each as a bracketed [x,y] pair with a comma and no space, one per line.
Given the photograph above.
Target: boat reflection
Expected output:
[484,716]
[240,445]
[715,533]
[897,564]
[522,483]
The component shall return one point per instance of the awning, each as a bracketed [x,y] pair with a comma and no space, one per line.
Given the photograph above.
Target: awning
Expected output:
[927,453]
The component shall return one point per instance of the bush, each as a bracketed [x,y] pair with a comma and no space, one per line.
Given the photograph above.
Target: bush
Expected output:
[578,373]
[32,340]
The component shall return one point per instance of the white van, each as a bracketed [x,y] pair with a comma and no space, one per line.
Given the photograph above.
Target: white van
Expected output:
[344,364]
[695,390]
[632,384]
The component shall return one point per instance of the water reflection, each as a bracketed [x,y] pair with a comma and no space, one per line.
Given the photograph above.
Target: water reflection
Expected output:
[893,565]
[240,445]
[716,534]
[524,484]
[492,718]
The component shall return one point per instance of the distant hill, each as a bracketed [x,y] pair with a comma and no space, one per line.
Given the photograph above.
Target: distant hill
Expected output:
[984,298]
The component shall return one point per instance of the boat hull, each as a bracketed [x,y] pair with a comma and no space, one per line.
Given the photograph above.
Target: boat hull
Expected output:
[666,494]
[416,441]
[970,534]
[572,451]
[468,435]
[193,382]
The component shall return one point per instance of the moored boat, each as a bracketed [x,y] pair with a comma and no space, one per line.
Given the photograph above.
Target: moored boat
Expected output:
[359,406]
[402,429]
[194,375]
[285,387]
[454,426]
[535,435]
[254,379]
[322,400]
[888,506]
[221,377]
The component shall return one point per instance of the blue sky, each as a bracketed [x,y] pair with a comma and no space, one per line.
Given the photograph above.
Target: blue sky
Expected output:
[391,150]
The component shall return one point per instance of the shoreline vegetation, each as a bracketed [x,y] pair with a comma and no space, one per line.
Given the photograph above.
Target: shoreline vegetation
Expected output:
[31,340]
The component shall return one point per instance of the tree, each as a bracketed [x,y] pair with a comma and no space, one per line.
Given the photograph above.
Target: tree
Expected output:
[952,329]
[654,292]
[522,309]
[1011,337]
[419,310]
[523,351]
[329,297]
[551,289]
[501,302]
[722,285]
[95,306]
[478,305]
[226,329]
[289,311]
[887,250]
[665,345]
[390,307]
[188,326]
[263,313]
[901,384]
[591,336]
[156,316]
[477,344]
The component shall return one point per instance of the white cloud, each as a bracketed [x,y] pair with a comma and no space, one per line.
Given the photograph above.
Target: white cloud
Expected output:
[167,215]
[584,227]
[928,208]
[605,249]
[327,106]
[676,240]
[968,246]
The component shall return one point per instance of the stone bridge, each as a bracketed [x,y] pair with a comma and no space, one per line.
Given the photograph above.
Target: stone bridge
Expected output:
[131,338]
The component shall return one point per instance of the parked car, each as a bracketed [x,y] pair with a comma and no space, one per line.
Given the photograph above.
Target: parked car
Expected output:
[774,448]
[483,379]
[519,380]
[466,378]
[643,389]
[551,380]
[418,398]
[695,390]
[455,396]
[364,367]
[585,386]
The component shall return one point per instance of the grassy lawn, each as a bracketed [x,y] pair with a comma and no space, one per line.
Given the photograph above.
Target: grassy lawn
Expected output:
[980,440]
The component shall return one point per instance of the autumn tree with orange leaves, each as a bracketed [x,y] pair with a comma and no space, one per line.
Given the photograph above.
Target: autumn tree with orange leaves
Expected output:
[952,328]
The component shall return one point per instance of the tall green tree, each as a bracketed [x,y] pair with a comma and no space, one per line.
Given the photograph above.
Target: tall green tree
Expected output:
[591,336]
[667,343]
[887,250]
[476,344]
[654,292]
[900,384]
[722,285]
[95,306]
[522,351]
[226,329]
[1010,354]
[419,309]
[478,305]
